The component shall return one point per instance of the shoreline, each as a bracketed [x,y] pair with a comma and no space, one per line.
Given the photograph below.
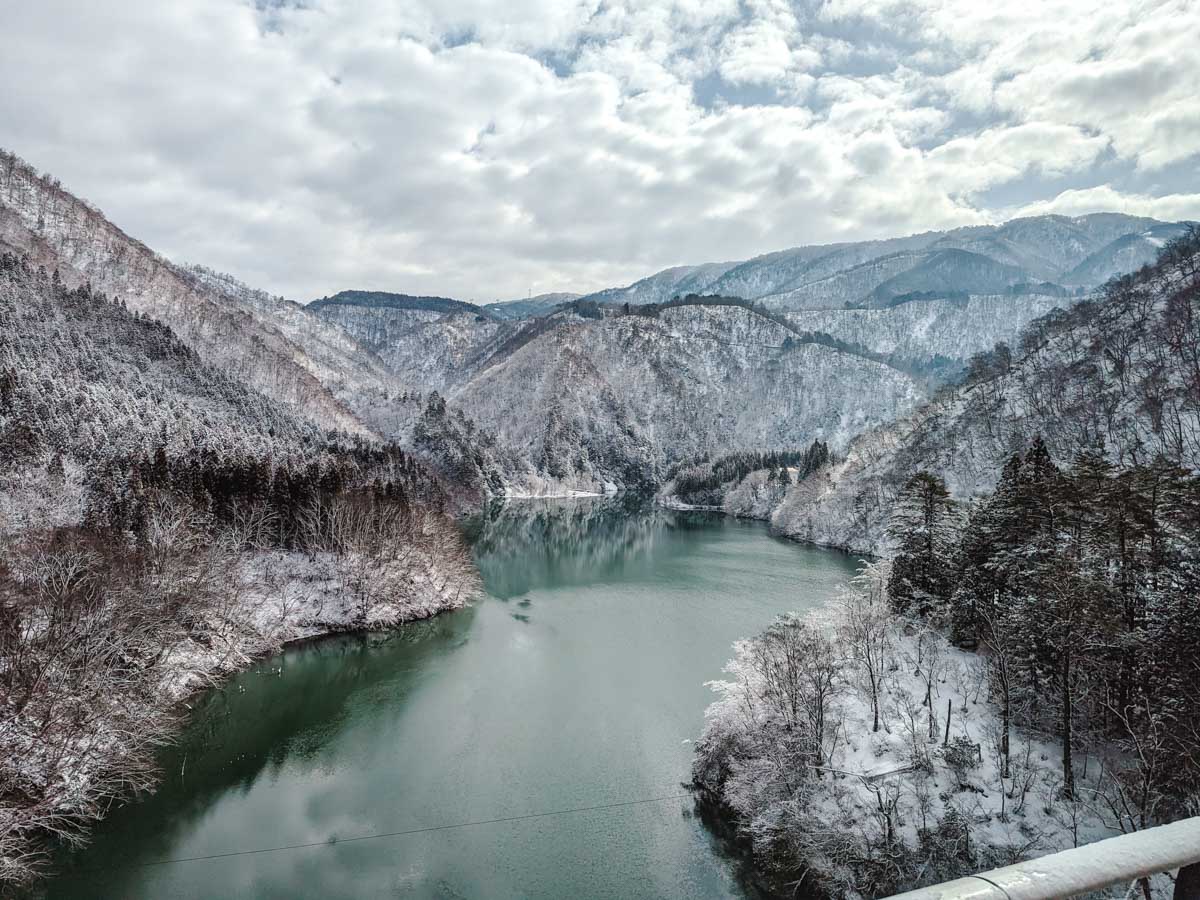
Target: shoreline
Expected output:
[262,624]
[668,502]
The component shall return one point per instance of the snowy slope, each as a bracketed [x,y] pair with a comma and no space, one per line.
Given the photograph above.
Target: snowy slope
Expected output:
[1127,253]
[427,348]
[921,331]
[1116,373]
[62,231]
[620,398]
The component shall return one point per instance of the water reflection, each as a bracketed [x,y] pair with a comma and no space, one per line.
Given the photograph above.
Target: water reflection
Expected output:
[287,707]
[573,542]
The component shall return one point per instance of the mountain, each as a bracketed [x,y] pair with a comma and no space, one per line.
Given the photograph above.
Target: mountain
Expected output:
[278,349]
[869,273]
[1127,253]
[530,307]
[587,394]
[429,343]
[1117,374]
[678,281]
[615,399]
[947,272]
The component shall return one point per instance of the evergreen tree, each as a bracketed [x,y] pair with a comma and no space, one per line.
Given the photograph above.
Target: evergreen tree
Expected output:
[924,526]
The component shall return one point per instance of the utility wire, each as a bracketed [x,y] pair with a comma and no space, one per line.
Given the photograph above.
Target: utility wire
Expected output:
[334,841]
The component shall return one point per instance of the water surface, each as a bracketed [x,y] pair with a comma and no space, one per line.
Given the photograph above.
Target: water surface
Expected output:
[578,682]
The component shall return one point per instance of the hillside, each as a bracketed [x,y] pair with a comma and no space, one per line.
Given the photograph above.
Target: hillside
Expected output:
[620,398]
[947,271]
[162,523]
[230,331]
[922,334]
[428,343]
[1118,374]
[86,382]
[530,307]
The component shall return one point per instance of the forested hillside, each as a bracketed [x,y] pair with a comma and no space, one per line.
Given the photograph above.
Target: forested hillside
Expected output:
[1115,375]
[39,217]
[160,524]
[621,398]
[1040,525]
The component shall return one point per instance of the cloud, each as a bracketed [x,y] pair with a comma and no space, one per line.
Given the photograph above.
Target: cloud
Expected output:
[480,149]
[1169,207]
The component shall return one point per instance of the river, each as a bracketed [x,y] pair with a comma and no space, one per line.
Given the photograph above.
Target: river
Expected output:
[562,704]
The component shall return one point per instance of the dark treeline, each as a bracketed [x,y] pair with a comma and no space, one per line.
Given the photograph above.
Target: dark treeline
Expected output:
[386,300]
[1079,585]
[121,492]
[702,482]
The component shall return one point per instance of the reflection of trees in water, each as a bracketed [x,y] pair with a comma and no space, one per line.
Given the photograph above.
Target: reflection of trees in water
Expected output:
[527,544]
[289,706]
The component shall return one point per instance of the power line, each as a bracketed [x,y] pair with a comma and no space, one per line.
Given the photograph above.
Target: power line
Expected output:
[334,841]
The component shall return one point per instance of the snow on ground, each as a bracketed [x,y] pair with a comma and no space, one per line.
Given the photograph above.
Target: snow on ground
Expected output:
[266,600]
[293,596]
[917,801]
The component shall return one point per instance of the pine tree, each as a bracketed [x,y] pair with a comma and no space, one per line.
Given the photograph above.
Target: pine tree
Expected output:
[924,527]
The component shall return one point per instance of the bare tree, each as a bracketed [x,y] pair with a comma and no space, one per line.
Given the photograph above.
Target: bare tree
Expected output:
[865,630]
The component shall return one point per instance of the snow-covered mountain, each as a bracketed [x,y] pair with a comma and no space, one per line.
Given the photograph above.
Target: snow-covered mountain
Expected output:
[615,387]
[981,259]
[529,307]
[604,389]
[1127,253]
[280,349]
[590,397]
[1116,374]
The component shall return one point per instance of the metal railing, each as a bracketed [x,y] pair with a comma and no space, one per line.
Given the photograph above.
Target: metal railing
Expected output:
[1117,860]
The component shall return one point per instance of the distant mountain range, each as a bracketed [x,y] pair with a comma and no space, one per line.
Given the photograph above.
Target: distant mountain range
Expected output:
[1032,255]
[537,305]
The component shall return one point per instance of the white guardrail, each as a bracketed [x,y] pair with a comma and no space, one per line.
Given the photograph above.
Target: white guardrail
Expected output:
[1117,860]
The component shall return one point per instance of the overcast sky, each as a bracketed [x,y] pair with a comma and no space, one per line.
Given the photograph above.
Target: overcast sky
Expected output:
[485,148]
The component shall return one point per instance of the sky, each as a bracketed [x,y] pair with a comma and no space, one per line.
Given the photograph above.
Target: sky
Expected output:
[486,149]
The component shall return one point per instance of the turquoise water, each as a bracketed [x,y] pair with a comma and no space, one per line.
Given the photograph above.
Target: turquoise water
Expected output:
[577,682]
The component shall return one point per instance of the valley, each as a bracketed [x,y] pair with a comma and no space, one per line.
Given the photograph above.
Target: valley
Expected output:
[195,473]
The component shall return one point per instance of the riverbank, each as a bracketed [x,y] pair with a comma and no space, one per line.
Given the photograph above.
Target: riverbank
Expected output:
[86,739]
[755,498]
[861,752]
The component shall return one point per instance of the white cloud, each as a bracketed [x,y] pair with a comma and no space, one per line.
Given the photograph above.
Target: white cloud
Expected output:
[480,149]
[1169,207]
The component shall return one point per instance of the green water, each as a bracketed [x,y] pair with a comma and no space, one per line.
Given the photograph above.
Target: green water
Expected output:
[577,682]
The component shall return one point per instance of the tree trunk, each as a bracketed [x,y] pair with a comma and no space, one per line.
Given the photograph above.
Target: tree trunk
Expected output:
[1005,722]
[1068,771]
